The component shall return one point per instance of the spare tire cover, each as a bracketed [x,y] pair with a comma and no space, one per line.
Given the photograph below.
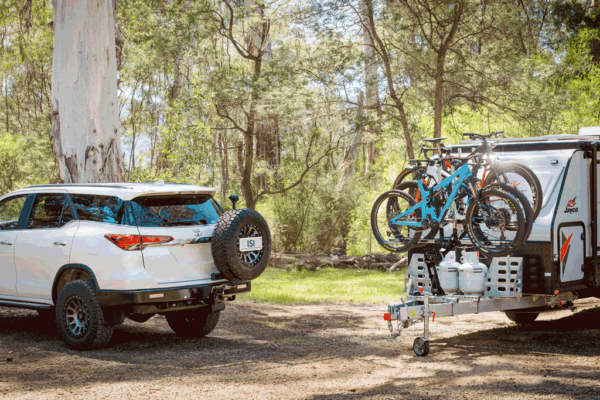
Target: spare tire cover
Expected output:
[241,244]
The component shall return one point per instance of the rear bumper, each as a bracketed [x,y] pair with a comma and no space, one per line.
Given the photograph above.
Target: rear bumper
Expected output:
[152,301]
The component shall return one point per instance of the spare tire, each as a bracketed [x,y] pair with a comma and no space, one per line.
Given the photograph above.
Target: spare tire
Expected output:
[241,244]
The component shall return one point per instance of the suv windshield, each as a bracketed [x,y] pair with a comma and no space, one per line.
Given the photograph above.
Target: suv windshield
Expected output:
[180,210]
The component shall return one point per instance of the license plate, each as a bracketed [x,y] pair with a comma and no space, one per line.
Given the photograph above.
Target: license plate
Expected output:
[251,244]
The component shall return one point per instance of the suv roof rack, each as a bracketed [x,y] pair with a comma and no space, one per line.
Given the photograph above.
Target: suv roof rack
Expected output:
[128,185]
[79,185]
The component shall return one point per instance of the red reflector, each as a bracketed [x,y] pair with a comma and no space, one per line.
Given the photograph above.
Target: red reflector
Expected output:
[136,242]
[387,316]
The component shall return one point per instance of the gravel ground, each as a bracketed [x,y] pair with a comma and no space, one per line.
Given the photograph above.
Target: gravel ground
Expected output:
[263,351]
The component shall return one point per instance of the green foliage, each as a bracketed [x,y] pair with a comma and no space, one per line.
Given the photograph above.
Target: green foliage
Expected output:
[329,285]
[582,81]
[190,100]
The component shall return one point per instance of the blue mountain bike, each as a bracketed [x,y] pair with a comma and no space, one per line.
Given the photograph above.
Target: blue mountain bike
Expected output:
[494,219]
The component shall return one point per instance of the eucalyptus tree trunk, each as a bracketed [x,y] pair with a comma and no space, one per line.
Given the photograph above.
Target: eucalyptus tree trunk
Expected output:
[442,51]
[351,153]
[371,84]
[386,58]
[267,138]
[85,114]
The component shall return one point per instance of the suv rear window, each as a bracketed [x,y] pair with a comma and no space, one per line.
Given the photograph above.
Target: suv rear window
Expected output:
[181,210]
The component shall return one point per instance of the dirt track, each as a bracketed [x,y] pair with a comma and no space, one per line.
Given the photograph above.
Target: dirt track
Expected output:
[310,352]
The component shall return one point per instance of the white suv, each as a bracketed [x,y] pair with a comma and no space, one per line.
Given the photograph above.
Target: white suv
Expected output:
[90,255]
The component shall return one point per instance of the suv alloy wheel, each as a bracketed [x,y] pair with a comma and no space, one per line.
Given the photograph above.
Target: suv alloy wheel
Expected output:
[79,318]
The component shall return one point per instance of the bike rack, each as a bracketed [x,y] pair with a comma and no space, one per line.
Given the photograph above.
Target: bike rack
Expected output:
[503,291]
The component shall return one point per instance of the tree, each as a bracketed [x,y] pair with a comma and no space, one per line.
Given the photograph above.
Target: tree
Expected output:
[85,115]
[262,89]
[437,24]
[371,81]
[366,15]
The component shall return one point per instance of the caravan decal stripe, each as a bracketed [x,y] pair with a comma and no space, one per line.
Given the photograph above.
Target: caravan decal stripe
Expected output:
[565,247]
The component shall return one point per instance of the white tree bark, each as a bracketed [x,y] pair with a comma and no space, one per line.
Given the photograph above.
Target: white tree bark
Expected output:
[85,115]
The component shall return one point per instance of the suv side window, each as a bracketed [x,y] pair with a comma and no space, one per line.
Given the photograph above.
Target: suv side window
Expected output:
[92,207]
[10,210]
[47,211]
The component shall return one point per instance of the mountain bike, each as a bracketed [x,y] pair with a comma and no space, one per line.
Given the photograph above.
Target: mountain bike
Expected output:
[398,220]
[412,188]
[515,174]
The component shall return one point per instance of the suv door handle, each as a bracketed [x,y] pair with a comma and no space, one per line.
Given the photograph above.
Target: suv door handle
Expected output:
[60,243]
[6,242]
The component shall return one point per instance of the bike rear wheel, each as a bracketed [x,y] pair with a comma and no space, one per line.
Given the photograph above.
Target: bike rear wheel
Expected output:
[521,177]
[487,220]
[394,237]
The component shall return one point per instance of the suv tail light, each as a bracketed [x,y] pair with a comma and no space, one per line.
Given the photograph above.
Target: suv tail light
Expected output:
[136,242]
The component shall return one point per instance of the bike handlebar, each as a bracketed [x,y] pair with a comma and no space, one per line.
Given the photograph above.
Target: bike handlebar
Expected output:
[428,161]
[474,136]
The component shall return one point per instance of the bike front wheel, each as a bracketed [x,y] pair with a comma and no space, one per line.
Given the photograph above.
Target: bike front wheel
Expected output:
[394,236]
[495,223]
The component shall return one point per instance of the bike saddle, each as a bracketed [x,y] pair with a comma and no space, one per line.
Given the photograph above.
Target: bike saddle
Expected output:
[435,140]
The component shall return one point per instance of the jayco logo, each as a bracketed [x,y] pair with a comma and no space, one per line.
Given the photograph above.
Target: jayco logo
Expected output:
[570,208]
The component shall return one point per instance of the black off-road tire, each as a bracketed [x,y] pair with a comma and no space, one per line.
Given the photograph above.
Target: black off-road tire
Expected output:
[94,333]
[225,245]
[193,323]
[521,317]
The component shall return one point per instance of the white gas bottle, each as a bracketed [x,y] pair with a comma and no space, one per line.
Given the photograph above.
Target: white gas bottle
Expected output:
[448,273]
[472,274]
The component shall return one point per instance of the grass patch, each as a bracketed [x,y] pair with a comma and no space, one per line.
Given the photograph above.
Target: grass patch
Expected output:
[329,285]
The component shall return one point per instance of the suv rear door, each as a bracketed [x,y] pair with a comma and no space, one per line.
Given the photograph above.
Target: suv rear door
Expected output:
[10,212]
[45,245]
[190,221]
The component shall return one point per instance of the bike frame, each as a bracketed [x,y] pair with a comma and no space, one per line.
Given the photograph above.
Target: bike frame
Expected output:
[487,154]
[462,175]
